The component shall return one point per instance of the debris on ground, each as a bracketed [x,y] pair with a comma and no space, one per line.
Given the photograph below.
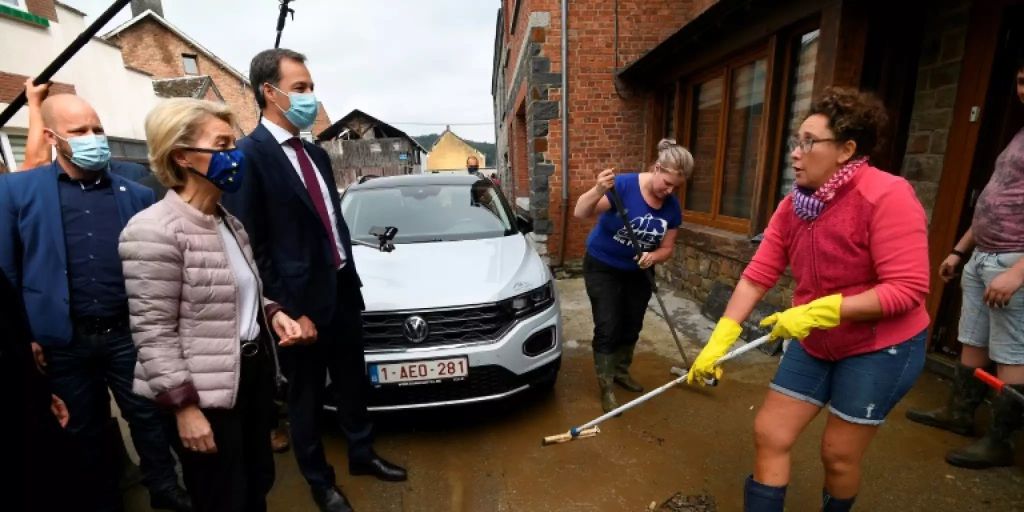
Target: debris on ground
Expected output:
[690,503]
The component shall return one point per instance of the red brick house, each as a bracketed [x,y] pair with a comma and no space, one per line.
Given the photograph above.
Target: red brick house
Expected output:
[730,79]
[151,43]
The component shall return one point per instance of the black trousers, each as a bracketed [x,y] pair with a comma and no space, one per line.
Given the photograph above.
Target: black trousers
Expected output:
[238,477]
[618,300]
[339,353]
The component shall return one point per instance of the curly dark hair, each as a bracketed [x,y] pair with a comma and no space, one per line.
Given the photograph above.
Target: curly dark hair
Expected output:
[853,115]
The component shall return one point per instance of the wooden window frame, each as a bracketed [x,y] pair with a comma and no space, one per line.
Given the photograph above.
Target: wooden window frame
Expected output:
[785,60]
[725,70]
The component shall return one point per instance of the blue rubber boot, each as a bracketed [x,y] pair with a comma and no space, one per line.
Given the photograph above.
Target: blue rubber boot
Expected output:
[830,503]
[758,497]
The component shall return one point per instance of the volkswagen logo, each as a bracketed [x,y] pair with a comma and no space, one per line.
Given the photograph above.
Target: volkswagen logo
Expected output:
[415,329]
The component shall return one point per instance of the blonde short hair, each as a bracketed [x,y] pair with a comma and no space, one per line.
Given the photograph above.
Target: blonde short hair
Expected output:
[674,158]
[176,123]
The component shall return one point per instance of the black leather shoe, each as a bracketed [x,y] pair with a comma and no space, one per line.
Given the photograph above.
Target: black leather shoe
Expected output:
[175,499]
[331,499]
[379,468]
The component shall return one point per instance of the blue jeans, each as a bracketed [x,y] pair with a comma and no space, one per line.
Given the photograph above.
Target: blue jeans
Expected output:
[1000,330]
[860,389]
[80,374]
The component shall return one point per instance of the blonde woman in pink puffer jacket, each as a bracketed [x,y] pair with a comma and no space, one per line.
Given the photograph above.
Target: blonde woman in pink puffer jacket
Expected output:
[198,316]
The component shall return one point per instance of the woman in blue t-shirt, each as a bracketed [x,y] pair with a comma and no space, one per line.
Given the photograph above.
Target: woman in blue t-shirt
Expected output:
[618,290]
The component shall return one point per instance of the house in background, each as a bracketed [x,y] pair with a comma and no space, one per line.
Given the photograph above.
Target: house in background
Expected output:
[449,153]
[362,145]
[151,43]
[730,79]
[33,33]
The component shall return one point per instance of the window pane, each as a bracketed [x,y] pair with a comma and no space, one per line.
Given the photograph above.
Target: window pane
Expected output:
[190,64]
[707,111]
[748,85]
[670,113]
[798,101]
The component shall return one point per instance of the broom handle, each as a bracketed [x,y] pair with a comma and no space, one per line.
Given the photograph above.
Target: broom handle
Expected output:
[998,385]
[653,393]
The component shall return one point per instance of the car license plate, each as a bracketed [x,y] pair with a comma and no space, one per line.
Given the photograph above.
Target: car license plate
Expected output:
[420,372]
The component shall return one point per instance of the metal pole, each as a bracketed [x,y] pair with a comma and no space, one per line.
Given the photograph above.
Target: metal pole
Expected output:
[565,133]
[63,58]
[281,19]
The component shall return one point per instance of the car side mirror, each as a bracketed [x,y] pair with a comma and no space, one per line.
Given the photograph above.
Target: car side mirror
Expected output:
[524,223]
[385,235]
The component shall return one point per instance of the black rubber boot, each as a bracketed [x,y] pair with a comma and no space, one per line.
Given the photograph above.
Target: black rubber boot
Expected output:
[830,503]
[957,415]
[605,366]
[624,360]
[758,497]
[994,449]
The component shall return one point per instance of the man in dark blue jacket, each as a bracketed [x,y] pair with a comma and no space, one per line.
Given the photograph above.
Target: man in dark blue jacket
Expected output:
[59,228]
[289,204]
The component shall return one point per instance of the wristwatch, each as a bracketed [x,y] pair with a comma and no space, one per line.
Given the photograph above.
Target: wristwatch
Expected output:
[962,254]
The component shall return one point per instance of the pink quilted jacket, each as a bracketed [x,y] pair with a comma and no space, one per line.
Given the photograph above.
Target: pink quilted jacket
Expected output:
[184,303]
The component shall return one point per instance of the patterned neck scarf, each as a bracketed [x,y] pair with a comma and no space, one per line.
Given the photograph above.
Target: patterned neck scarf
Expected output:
[808,203]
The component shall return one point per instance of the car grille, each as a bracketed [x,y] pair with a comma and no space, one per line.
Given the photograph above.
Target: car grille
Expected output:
[385,331]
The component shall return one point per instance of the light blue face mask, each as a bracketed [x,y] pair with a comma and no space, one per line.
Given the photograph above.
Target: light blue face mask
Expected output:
[303,109]
[90,152]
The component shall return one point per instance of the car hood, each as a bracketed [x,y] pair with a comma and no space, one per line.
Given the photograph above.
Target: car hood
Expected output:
[444,274]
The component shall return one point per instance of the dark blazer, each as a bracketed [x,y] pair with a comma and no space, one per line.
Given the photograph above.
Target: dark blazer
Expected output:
[33,254]
[288,240]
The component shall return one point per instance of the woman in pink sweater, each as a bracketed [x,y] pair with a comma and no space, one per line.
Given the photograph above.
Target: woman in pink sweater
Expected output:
[855,239]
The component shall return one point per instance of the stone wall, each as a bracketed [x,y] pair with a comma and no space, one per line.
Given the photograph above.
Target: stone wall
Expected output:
[939,69]
[708,258]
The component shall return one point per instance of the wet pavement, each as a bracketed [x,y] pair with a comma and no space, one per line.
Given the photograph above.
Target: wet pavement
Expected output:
[489,458]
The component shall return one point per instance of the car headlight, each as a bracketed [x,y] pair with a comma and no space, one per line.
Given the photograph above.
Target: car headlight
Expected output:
[533,301]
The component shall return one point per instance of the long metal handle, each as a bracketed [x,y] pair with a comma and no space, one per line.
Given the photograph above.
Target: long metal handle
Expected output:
[651,394]
[63,58]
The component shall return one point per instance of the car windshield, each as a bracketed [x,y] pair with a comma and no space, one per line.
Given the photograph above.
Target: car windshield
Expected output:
[428,213]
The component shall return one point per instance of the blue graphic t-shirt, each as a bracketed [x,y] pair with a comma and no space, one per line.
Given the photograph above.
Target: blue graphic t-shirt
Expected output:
[609,242]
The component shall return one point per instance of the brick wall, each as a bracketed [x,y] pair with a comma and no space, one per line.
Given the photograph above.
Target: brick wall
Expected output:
[44,8]
[605,130]
[939,68]
[152,48]
[11,85]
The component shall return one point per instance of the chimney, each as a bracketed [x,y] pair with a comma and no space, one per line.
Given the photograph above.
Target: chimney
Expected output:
[140,6]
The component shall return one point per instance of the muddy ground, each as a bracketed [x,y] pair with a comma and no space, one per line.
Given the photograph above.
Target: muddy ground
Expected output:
[691,441]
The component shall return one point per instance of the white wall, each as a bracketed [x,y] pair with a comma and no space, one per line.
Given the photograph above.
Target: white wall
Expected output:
[121,97]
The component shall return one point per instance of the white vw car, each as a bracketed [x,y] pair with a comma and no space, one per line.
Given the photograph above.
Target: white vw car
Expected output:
[459,306]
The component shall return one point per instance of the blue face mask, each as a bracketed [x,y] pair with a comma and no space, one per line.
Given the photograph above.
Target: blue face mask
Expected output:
[89,152]
[302,112]
[226,170]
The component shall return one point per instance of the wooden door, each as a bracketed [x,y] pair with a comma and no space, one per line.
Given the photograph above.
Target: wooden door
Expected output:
[1000,117]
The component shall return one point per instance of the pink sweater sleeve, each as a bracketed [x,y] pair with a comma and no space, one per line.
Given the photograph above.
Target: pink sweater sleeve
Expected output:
[770,260]
[899,248]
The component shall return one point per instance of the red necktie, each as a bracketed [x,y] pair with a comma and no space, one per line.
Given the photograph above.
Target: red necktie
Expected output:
[315,194]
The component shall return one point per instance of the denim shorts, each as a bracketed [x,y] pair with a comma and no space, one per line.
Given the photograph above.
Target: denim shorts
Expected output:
[1001,330]
[860,389]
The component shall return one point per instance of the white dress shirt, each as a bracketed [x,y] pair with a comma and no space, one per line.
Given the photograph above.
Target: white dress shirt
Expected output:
[282,136]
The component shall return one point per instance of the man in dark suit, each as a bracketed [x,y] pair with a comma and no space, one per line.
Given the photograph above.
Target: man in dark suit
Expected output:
[289,204]
[59,227]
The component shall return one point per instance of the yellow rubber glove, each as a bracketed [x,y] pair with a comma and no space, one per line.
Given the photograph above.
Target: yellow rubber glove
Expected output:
[797,322]
[725,334]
